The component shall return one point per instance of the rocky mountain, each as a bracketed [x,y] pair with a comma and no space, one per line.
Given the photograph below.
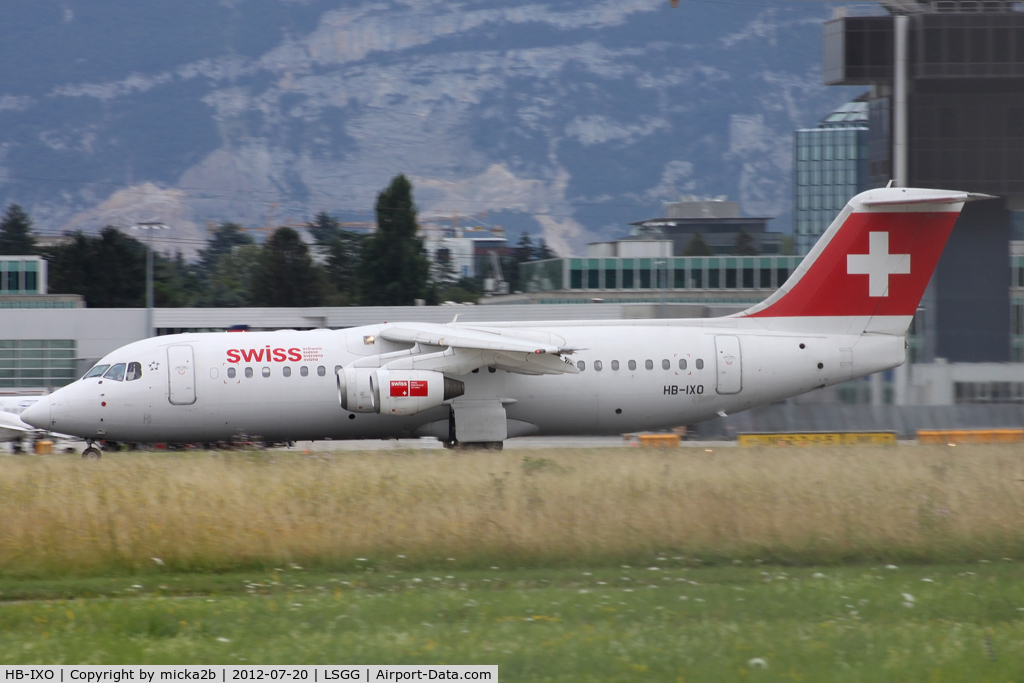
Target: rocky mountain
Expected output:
[563,117]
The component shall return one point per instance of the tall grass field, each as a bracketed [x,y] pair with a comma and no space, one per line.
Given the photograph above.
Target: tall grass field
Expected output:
[132,513]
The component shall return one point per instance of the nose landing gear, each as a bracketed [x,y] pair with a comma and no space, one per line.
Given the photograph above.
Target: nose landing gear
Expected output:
[91,452]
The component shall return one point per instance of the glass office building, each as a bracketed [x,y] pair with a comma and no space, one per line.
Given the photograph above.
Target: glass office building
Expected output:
[22,275]
[965,132]
[757,275]
[37,363]
[23,284]
[831,166]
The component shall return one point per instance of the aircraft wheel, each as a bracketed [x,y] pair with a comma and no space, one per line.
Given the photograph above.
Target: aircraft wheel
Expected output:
[91,453]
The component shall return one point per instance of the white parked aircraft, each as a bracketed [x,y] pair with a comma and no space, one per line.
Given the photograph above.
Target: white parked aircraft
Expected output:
[12,427]
[843,313]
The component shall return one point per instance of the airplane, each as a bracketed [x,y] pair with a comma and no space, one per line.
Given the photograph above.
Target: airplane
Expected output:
[842,314]
[12,427]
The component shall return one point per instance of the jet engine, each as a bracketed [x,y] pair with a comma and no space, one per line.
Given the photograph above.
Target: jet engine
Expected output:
[356,392]
[404,392]
[394,392]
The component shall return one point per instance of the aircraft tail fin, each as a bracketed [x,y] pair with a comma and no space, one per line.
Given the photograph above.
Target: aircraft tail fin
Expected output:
[869,270]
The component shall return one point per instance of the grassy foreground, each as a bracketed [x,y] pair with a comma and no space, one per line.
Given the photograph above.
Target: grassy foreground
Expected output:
[666,622]
[136,513]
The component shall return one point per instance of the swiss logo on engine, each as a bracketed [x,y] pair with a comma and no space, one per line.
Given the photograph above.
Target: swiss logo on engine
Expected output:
[414,387]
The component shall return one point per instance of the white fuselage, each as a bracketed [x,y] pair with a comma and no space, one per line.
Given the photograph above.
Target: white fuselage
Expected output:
[730,365]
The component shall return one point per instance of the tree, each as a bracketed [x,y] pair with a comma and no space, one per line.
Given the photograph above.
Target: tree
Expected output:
[523,252]
[524,249]
[226,238]
[230,284]
[16,233]
[394,271]
[542,251]
[745,244]
[324,228]
[109,271]
[285,274]
[176,284]
[698,247]
[344,252]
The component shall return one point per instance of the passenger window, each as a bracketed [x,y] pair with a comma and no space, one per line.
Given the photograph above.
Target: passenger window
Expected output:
[231,373]
[700,363]
[248,372]
[286,371]
[322,371]
[682,363]
[304,371]
[266,372]
[665,364]
[336,368]
[615,365]
[134,371]
[632,365]
[597,366]
[97,371]
[581,365]
[116,372]
[213,372]
[649,364]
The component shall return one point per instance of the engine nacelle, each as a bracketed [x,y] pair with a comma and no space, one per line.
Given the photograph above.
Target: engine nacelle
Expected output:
[404,392]
[356,390]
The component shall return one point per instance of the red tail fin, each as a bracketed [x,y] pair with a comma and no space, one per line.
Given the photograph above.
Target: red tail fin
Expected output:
[872,264]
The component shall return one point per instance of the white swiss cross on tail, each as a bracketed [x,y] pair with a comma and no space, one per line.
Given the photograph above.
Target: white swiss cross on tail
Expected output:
[878,264]
[880,234]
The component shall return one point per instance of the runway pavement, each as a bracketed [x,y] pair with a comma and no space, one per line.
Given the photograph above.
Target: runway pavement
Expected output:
[521,443]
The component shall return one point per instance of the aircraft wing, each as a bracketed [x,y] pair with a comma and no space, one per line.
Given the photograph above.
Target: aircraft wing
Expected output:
[12,427]
[468,349]
[478,338]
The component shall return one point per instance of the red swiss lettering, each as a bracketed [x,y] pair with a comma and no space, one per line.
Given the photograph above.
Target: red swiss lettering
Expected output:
[280,355]
[295,355]
[249,355]
[399,388]
[233,356]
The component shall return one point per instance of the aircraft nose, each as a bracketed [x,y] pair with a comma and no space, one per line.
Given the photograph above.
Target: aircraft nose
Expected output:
[38,414]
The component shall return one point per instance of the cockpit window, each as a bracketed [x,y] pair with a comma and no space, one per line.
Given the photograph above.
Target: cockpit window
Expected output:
[97,371]
[116,372]
[134,371]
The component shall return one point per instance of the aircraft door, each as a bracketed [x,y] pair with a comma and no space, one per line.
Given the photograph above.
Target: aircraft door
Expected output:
[727,358]
[182,374]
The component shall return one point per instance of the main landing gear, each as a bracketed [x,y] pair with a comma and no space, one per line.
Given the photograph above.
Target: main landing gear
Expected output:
[91,452]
